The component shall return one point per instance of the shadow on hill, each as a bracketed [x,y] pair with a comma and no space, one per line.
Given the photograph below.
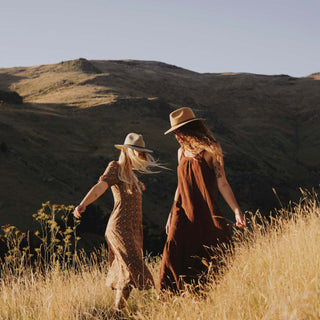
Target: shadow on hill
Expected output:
[56,153]
[10,97]
[8,79]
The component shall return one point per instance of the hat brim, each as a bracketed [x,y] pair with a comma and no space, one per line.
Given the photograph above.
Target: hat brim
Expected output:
[121,146]
[182,124]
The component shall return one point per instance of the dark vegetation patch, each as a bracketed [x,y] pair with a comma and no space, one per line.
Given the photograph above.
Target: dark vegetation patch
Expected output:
[10,97]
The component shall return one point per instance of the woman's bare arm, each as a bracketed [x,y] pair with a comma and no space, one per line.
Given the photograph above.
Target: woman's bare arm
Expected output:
[227,193]
[95,192]
[175,197]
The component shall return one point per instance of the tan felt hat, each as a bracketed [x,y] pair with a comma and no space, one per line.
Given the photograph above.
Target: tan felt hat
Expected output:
[180,117]
[133,141]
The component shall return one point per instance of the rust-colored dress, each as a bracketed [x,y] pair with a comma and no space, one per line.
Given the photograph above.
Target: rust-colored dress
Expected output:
[196,225]
[124,236]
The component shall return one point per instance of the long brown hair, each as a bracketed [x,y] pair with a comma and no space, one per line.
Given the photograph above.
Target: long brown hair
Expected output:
[196,136]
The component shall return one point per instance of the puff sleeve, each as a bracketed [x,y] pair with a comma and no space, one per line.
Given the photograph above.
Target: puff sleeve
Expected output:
[110,176]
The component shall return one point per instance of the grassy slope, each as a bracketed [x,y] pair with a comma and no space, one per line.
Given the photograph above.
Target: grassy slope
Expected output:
[273,275]
[62,138]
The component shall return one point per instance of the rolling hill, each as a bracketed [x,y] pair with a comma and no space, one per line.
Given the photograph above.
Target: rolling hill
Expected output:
[57,142]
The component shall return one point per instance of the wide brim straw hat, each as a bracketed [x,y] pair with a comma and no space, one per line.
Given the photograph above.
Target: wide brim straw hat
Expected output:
[181,117]
[133,141]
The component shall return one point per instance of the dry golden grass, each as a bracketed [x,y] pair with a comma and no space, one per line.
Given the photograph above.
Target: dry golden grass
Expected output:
[274,274]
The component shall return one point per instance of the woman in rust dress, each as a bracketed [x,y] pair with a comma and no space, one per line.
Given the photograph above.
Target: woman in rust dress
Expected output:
[124,229]
[197,231]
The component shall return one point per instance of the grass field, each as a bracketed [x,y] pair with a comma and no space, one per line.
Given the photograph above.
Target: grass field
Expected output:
[274,274]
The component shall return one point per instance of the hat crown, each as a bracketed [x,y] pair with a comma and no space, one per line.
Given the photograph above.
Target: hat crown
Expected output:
[135,140]
[181,115]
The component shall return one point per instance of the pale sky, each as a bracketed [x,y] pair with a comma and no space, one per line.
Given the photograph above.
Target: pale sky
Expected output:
[264,37]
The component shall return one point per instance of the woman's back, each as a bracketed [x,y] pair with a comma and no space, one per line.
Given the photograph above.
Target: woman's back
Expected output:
[197,184]
[196,223]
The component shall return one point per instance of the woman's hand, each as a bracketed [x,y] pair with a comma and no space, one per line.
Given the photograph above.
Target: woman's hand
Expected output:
[78,210]
[241,220]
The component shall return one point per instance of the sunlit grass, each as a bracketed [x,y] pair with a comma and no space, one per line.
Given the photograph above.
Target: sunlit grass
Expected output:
[273,274]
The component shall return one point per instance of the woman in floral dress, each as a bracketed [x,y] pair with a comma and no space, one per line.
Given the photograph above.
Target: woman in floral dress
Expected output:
[124,230]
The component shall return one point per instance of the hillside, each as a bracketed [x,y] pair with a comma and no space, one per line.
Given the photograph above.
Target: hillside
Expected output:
[60,139]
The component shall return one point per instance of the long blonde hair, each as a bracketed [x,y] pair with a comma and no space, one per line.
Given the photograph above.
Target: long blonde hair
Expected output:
[196,136]
[130,161]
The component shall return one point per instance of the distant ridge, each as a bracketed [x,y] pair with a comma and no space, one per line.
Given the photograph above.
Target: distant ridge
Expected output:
[315,76]
[144,63]
[79,65]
